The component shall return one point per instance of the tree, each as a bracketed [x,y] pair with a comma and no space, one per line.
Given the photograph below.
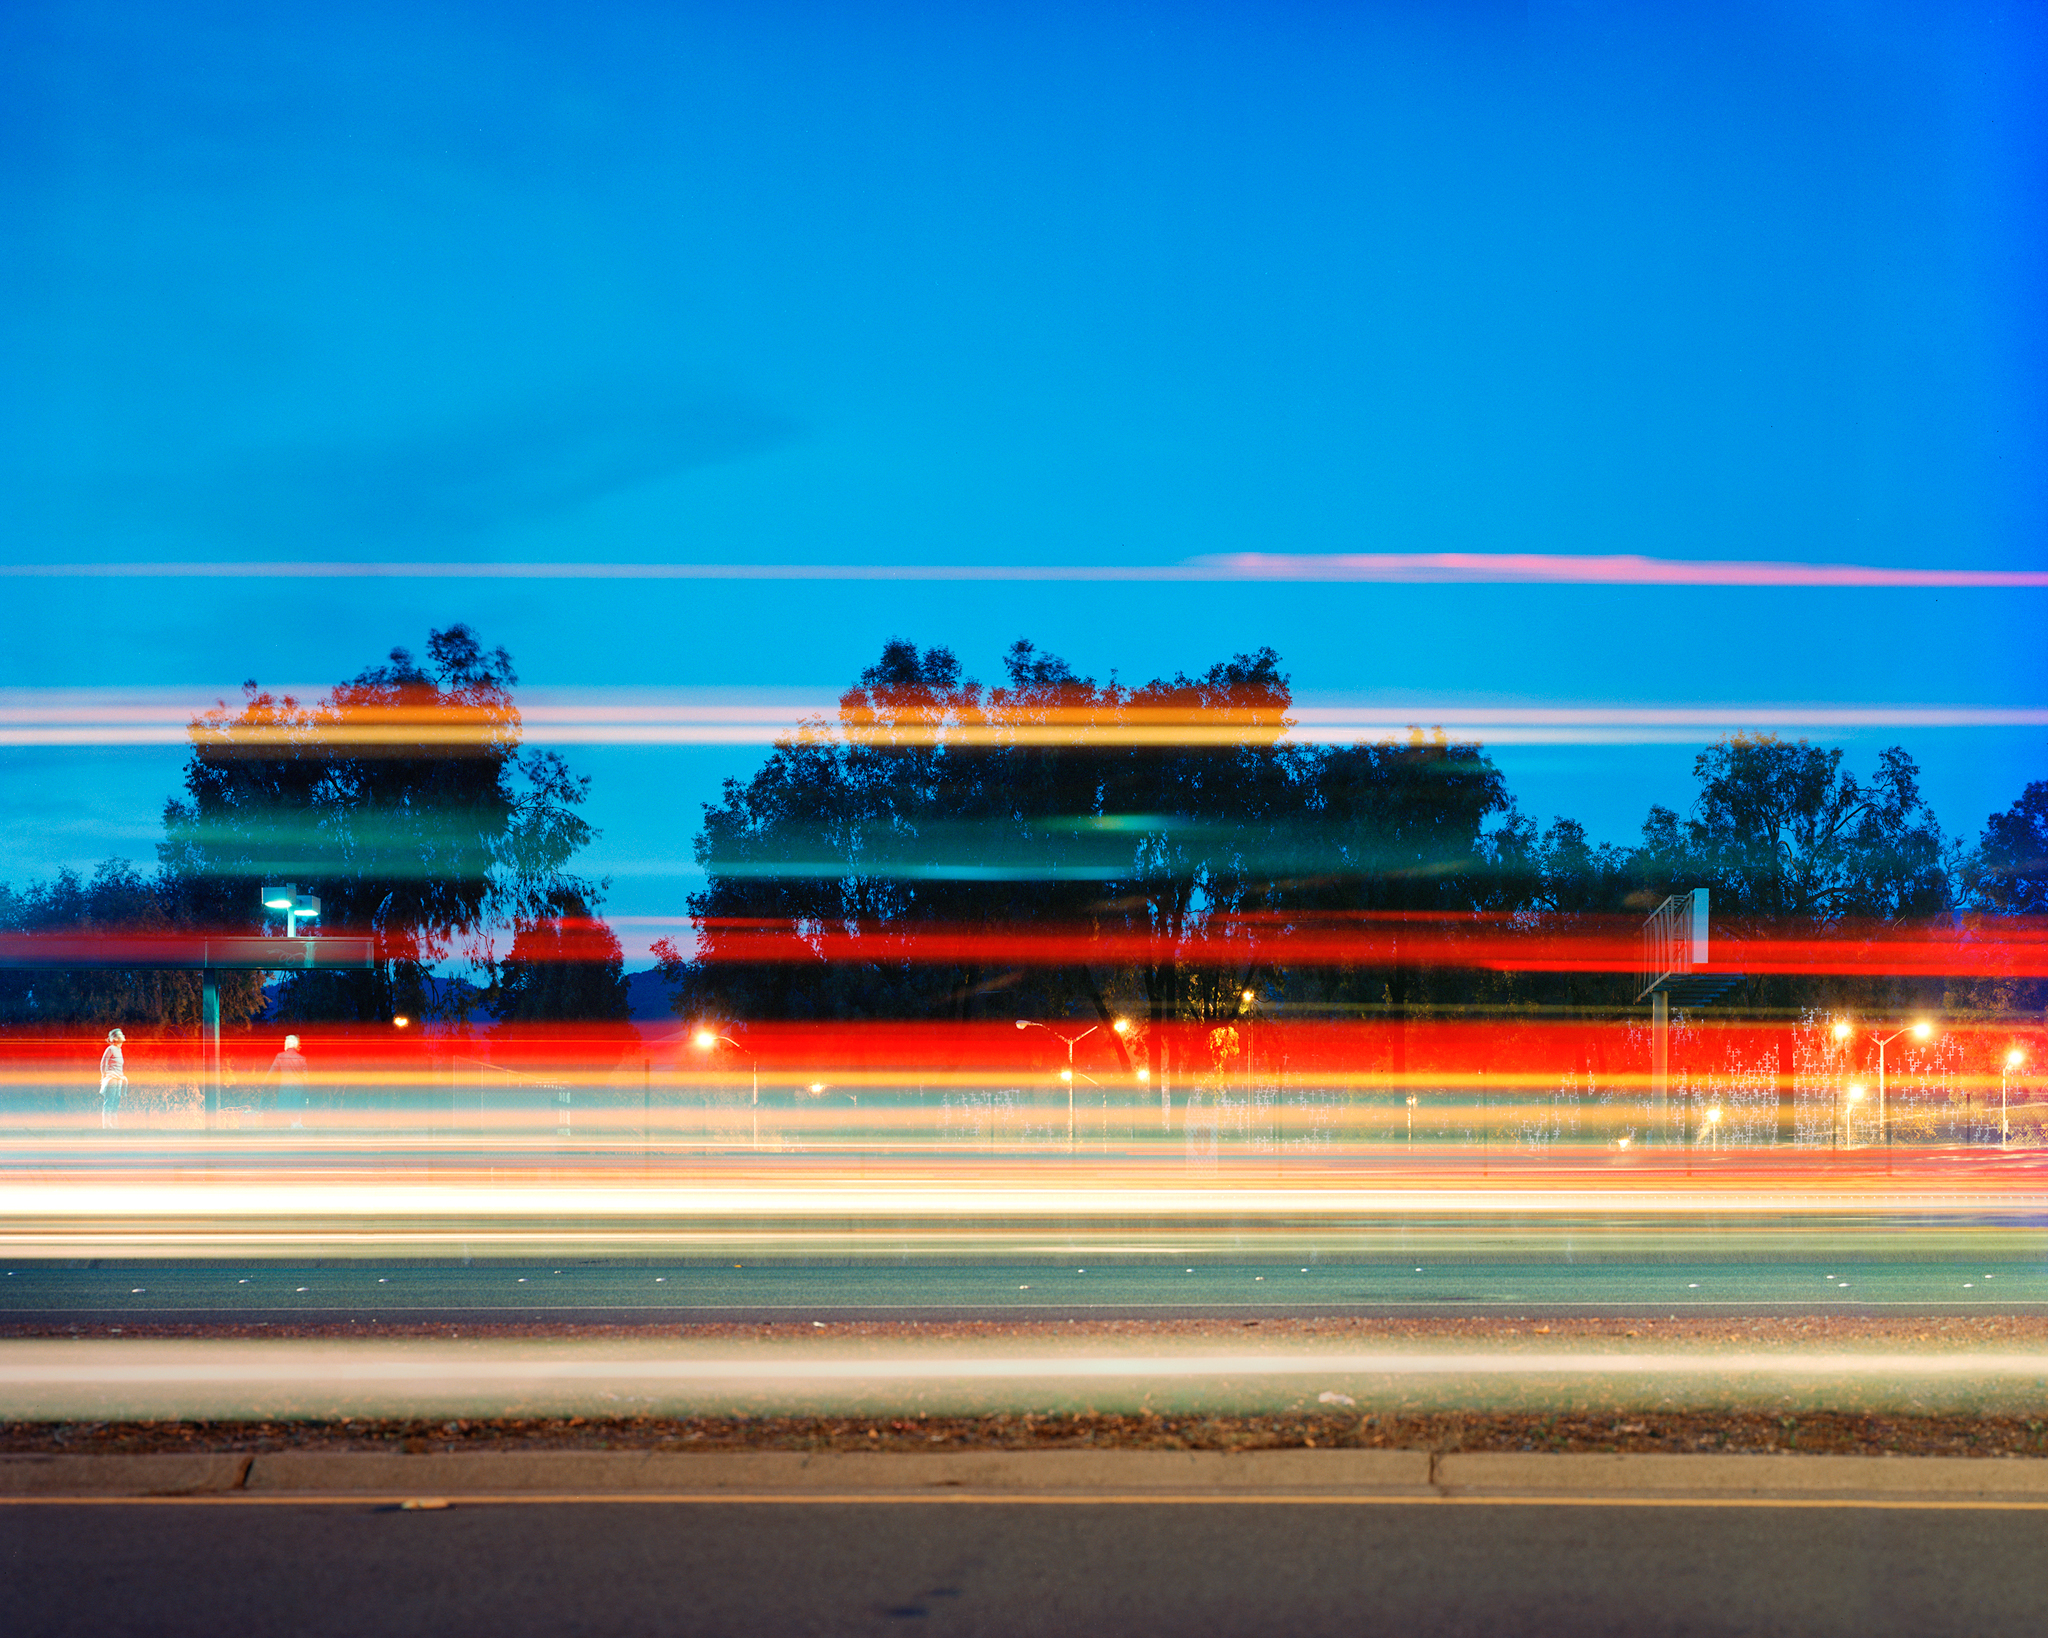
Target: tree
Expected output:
[117,900]
[1171,814]
[402,799]
[1786,837]
[1794,848]
[2008,872]
[564,965]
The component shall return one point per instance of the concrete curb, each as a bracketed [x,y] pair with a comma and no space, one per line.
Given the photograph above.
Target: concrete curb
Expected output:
[122,1475]
[1625,1475]
[1051,1472]
[1308,1474]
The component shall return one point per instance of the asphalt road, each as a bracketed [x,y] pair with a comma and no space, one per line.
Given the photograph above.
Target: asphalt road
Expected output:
[1954,1278]
[1292,1568]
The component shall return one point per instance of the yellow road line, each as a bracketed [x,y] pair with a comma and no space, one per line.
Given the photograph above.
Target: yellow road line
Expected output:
[951,1498]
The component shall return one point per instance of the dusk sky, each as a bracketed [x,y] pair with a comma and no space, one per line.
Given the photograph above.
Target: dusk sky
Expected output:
[1110,284]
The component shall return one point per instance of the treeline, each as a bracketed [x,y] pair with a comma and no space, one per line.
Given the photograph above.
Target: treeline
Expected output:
[1172,839]
[1176,815]
[405,800]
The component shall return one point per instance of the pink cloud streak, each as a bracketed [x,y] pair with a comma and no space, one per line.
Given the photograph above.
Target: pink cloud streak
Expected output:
[1397,568]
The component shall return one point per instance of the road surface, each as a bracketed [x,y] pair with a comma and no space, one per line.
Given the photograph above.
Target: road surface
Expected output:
[1679,1273]
[1294,1568]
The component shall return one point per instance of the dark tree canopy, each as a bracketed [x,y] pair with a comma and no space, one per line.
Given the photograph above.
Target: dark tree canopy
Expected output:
[563,964]
[1171,811]
[403,799]
[1055,801]
[115,899]
[2009,872]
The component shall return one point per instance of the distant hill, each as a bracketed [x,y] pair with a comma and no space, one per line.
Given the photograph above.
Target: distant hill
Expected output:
[647,998]
[453,991]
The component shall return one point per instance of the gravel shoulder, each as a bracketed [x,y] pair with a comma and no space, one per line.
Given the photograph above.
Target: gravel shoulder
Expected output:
[1668,1434]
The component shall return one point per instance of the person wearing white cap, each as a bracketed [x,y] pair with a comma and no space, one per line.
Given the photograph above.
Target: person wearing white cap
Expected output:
[113,1079]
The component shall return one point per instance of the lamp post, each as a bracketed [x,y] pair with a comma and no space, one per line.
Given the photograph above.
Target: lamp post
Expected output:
[1849,1114]
[1246,1000]
[1838,1136]
[1067,1074]
[1920,1029]
[2013,1060]
[706,1040]
[277,900]
[294,906]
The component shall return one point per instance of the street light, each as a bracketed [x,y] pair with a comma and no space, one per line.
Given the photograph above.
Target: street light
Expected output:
[2013,1060]
[1839,1136]
[706,1040]
[1251,1053]
[1066,1074]
[286,900]
[1920,1029]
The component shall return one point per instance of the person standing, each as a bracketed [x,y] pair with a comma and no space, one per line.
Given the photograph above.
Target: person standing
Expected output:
[288,1069]
[113,1079]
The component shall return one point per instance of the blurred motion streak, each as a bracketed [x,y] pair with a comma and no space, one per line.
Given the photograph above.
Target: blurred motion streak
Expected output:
[1453,568]
[74,719]
[1960,946]
[1517,1099]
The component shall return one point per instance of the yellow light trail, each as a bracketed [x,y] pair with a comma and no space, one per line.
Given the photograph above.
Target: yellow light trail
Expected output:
[157,719]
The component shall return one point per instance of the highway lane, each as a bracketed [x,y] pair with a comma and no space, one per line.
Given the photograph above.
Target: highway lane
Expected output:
[998,1568]
[1677,1274]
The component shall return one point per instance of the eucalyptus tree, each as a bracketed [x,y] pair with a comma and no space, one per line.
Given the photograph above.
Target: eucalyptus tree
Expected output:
[403,798]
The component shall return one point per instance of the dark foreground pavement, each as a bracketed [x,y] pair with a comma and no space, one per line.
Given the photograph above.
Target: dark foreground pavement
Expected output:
[1288,1566]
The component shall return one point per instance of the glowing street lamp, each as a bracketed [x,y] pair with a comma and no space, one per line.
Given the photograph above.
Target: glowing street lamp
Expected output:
[1849,1114]
[1839,1137]
[1066,1074]
[286,900]
[706,1040]
[2013,1060]
[1920,1029]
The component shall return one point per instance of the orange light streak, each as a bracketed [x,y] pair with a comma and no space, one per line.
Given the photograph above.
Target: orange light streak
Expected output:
[157,721]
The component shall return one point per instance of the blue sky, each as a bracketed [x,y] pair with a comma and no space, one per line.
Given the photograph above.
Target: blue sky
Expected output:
[809,283]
